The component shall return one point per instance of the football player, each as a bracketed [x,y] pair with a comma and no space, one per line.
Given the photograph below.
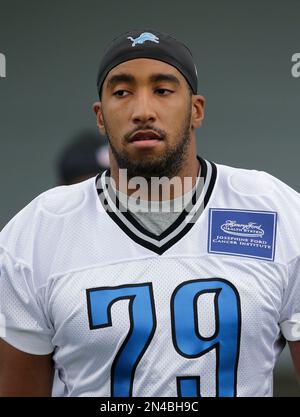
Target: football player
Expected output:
[129,290]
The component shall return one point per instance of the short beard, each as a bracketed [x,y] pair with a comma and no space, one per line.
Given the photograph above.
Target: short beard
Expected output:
[167,165]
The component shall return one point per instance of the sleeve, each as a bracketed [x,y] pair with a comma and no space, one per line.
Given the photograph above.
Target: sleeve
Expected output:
[24,322]
[290,312]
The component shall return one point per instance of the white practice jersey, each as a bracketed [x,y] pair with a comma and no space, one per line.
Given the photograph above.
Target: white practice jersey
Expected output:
[203,309]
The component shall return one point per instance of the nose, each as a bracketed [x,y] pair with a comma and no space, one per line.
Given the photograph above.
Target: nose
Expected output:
[143,109]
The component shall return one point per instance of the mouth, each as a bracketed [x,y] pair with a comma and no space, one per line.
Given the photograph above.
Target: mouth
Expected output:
[144,135]
[145,139]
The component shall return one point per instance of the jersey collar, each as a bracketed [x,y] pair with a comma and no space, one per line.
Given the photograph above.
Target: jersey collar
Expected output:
[180,227]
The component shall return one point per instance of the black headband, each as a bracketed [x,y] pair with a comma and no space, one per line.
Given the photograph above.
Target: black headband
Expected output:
[148,44]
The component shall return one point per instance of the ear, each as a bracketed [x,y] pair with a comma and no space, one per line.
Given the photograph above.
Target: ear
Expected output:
[97,107]
[198,103]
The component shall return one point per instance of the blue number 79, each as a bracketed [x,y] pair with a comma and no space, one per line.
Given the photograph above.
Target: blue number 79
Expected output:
[185,334]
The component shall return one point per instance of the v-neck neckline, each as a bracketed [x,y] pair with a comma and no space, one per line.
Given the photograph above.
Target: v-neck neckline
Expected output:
[179,228]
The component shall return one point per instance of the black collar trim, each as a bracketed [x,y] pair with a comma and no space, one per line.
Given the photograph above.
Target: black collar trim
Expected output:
[180,227]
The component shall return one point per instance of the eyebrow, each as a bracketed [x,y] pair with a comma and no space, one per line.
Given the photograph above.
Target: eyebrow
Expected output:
[164,77]
[130,79]
[120,78]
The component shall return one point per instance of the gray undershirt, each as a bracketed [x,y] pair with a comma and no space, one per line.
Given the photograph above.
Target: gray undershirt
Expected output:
[157,216]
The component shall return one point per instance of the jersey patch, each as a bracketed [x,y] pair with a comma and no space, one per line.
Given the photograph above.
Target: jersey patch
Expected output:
[242,232]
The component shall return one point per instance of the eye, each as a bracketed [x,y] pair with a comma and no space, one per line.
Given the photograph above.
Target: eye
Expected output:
[163,91]
[120,93]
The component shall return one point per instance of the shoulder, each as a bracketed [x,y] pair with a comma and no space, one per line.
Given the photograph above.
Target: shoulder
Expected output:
[259,190]
[251,182]
[43,216]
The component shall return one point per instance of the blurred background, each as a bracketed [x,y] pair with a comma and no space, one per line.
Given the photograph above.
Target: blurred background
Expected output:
[243,52]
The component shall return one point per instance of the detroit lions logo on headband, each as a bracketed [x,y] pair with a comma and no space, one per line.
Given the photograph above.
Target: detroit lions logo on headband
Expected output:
[150,44]
[146,36]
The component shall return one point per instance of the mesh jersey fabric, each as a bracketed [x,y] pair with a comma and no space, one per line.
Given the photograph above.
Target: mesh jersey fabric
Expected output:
[62,253]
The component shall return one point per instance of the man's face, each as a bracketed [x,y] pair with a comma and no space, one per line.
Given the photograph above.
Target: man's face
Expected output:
[146,109]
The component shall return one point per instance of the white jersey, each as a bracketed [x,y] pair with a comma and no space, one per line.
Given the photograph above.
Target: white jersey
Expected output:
[201,310]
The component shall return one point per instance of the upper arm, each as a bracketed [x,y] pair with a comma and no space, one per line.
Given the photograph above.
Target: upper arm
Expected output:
[25,325]
[295,353]
[23,374]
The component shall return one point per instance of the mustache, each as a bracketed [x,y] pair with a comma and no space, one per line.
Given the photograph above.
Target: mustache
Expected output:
[160,132]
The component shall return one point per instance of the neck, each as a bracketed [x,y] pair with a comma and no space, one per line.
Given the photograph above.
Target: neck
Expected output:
[156,188]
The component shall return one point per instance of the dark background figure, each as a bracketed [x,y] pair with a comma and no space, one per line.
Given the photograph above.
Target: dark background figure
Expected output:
[85,156]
